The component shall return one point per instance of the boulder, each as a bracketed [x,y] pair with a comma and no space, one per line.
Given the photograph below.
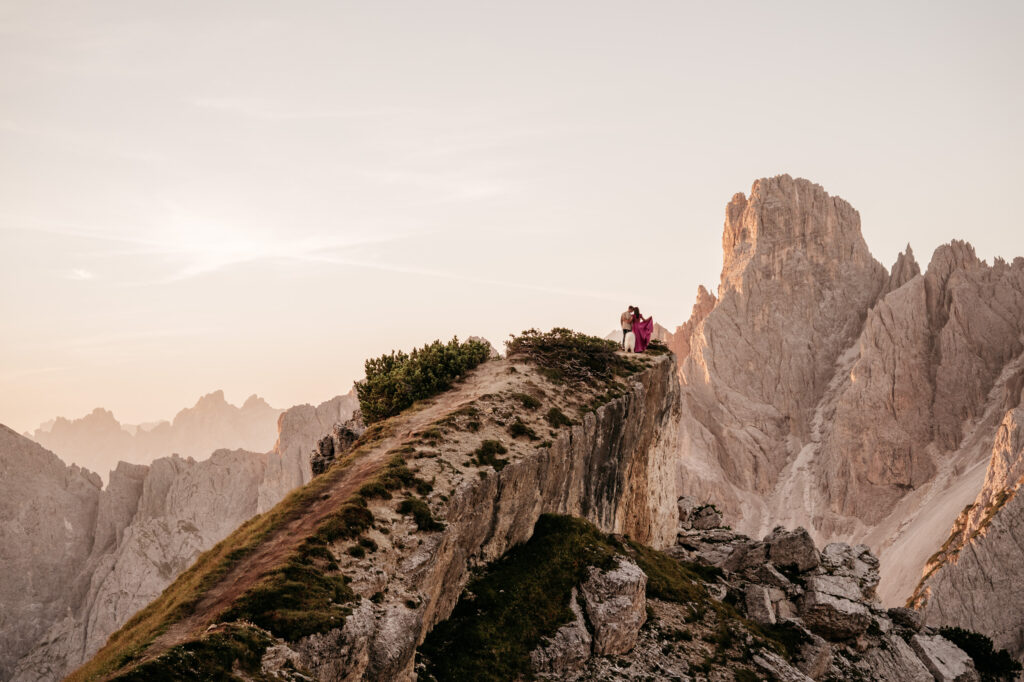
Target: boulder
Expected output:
[777,668]
[792,549]
[616,606]
[813,656]
[893,660]
[565,650]
[685,507]
[906,618]
[857,562]
[759,605]
[944,660]
[830,608]
[747,557]
[707,517]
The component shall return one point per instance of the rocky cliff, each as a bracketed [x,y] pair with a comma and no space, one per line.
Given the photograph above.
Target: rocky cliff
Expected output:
[974,580]
[394,527]
[575,604]
[823,391]
[98,441]
[118,547]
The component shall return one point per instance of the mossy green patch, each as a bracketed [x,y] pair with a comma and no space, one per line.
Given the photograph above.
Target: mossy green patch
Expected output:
[214,656]
[522,597]
[294,600]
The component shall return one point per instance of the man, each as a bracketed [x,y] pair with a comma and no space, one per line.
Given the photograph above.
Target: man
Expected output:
[626,322]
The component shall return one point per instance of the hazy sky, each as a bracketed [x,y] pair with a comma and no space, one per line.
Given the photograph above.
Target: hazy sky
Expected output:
[257,196]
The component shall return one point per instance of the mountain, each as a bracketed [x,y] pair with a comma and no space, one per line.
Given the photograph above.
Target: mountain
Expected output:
[441,545]
[822,390]
[816,388]
[118,547]
[98,441]
[974,579]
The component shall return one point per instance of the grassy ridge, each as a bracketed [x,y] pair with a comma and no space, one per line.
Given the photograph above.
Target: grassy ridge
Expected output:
[178,601]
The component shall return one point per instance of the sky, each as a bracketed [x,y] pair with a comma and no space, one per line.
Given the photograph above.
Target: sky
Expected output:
[257,196]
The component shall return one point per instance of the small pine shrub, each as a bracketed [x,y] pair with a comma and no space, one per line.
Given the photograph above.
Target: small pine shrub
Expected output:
[557,418]
[395,381]
[487,454]
[567,357]
[519,428]
[420,512]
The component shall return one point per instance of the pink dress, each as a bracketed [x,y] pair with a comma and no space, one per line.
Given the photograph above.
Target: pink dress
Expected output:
[642,331]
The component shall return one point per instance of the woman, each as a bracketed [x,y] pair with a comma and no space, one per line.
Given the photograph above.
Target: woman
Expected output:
[642,330]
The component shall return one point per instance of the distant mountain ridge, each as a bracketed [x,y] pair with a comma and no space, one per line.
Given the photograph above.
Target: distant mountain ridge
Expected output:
[79,558]
[98,441]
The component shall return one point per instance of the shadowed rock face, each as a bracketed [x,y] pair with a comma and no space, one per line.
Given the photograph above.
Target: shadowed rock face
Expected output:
[974,581]
[119,547]
[820,390]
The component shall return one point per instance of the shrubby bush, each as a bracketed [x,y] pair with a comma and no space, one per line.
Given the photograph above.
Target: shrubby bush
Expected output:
[565,356]
[397,380]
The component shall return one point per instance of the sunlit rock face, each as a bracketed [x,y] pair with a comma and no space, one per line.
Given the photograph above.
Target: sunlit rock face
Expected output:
[820,390]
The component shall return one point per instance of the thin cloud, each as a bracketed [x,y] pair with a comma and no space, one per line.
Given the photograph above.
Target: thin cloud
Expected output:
[81,275]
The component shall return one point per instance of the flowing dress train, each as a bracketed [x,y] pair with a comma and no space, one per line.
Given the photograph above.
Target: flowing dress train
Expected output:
[642,331]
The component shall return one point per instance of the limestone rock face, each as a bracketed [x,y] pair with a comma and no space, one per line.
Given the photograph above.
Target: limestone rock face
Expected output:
[48,517]
[126,543]
[616,606]
[820,390]
[944,661]
[299,430]
[977,580]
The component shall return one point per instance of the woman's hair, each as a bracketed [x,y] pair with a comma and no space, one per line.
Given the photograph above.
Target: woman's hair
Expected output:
[636,312]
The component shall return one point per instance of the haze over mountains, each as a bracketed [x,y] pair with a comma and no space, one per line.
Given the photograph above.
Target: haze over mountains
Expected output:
[98,441]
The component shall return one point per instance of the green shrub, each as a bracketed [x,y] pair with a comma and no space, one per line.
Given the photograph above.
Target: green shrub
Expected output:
[565,356]
[527,400]
[557,418]
[519,428]
[992,665]
[397,380]
[420,513]
[347,523]
[293,601]
[487,454]
[213,656]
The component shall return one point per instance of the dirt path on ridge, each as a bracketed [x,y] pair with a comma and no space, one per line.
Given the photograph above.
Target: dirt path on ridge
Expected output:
[491,377]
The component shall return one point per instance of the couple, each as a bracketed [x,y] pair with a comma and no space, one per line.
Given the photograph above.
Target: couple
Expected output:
[636,331]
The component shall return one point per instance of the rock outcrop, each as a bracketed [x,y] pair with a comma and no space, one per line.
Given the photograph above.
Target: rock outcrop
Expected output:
[975,579]
[118,547]
[48,513]
[98,441]
[820,390]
